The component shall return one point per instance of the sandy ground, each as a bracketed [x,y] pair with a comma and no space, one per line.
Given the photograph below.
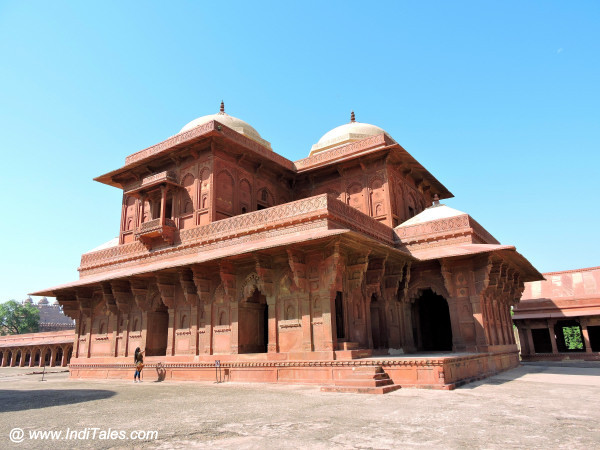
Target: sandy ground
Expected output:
[536,405]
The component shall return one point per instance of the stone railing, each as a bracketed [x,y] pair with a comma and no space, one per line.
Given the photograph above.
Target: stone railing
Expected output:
[309,209]
[154,225]
[434,227]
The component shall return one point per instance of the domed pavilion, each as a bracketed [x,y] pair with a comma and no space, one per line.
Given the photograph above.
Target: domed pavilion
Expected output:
[341,269]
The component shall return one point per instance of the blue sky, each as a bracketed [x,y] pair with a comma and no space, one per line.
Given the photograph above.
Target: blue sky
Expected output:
[499,100]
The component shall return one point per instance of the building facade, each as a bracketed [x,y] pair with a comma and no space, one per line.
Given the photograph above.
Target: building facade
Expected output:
[559,318]
[53,348]
[52,317]
[292,271]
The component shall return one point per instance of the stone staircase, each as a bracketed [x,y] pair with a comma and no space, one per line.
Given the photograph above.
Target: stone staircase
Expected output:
[363,380]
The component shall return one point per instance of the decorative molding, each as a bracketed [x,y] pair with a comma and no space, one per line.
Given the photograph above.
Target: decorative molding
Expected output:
[283,219]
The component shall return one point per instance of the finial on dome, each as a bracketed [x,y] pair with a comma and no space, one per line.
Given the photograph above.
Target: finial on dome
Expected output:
[352,117]
[436,200]
[222,109]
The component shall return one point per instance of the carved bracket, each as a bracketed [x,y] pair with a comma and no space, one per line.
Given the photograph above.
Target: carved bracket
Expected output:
[166,288]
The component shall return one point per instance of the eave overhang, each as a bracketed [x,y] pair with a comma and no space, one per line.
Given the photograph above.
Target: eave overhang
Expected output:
[369,147]
[307,220]
[182,140]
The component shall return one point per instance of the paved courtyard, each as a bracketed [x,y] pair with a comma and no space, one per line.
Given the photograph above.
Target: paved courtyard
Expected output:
[537,405]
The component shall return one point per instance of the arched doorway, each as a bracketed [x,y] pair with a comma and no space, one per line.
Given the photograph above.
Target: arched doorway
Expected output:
[18,358]
[378,325]
[253,320]
[157,328]
[36,361]
[431,322]
[8,359]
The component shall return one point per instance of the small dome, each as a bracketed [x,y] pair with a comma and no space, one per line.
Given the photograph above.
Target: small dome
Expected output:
[229,121]
[344,134]
[28,301]
[43,301]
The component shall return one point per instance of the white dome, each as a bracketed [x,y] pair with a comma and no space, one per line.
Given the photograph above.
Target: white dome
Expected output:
[229,121]
[349,132]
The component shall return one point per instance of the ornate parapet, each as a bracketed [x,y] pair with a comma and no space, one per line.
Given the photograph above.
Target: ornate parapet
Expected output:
[447,231]
[333,214]
[375,142]
[205,130]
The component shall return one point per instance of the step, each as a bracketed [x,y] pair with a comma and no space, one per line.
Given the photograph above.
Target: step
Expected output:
[364,383]
[363,372]
[361,390]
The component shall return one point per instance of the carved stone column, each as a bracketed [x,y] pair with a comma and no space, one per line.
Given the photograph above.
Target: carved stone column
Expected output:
[63,359]
[84,297]
[202,283]
[124,300]
[330,282]
[166,288]
[190,293]
[227,275]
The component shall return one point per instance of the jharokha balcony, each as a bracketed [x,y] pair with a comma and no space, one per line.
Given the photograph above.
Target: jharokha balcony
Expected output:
[158,228]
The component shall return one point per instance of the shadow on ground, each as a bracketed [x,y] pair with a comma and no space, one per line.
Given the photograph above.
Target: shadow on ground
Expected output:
[15,400]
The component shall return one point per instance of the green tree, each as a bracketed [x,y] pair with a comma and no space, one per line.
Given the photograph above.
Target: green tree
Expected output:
[16,318]
[573,338]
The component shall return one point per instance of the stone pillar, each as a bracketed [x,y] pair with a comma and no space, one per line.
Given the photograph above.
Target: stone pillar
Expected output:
[42,357]
[13,358]
[368,325]
[458,341]
[551,324]
[172,331]
[273,344]
[208,332]
[22,360]
[163,204]
[235,329]
[3,362]
[586,335]
[125,335]
[63,360]
[329,324]
[408,343]
[476,307]
[143,205]
[307,344]
[524,340]
[194,328]
[53,356]
[32,358]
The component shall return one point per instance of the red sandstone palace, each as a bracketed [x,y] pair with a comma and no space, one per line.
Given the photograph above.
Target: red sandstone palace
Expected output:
[341,268]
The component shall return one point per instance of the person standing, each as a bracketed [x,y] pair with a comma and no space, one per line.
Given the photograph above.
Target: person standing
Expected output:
[138,360]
